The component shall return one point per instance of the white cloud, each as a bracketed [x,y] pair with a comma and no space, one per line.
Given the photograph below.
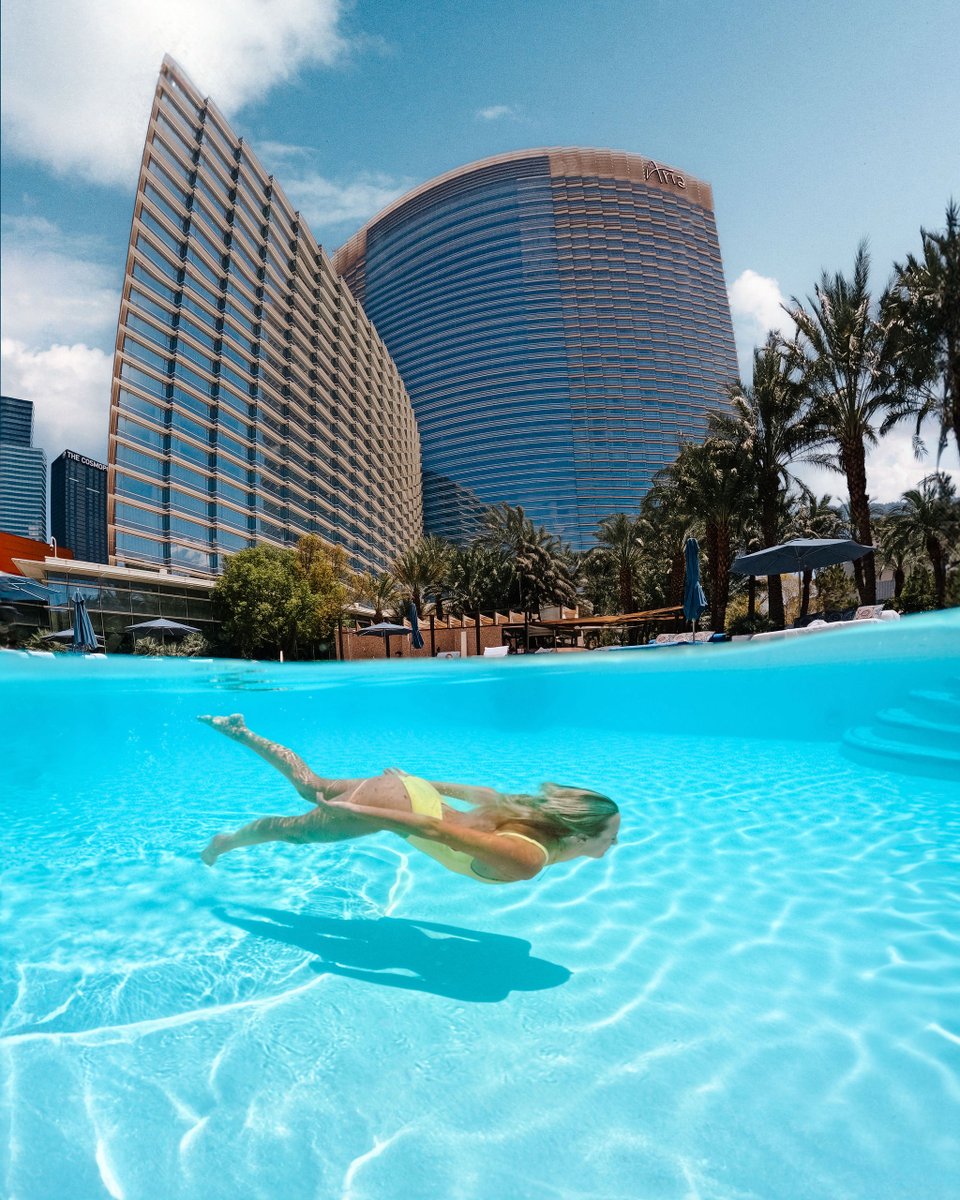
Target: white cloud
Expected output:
[327,204]
[756,306]
[891,466]
[78,75]
[70,389]
[57,301]
[53,289]
[496,112]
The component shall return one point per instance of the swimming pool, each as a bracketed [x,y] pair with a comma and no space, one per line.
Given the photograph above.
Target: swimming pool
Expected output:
[754,996]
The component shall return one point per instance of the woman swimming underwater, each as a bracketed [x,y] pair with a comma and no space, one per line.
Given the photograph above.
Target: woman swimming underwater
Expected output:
[502,839]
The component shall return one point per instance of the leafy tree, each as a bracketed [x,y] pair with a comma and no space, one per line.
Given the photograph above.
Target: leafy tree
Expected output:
[838,355]
[272,599]
[835,589]
[263,602]
[921,321]
[929,522]
[919,594]
[895,550]
[330,578]
[771,420]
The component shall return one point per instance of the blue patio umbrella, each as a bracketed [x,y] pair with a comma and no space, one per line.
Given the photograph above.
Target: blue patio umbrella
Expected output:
[83,636]
[417,639]
[694,601]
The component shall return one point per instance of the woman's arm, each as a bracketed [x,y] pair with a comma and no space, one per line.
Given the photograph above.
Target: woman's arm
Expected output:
[510,858]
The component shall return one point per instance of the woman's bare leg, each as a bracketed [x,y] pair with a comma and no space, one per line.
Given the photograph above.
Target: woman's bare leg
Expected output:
[323,824]
[311,786]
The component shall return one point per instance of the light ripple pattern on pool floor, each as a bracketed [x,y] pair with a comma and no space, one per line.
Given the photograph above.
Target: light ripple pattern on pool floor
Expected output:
[753,996]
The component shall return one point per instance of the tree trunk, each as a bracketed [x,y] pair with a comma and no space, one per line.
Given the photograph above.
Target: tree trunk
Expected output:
[854,459]
[676,578]
[768,530]
[805,593]
[751,597]
[899,579]
[718,561]
[935,551]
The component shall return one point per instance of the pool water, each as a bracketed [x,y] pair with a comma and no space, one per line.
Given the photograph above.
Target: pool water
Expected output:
[755,996]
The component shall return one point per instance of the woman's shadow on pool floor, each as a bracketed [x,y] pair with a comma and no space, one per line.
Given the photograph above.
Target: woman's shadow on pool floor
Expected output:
[423,956]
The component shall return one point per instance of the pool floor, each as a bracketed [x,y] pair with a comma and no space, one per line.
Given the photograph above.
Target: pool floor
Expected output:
[753,996]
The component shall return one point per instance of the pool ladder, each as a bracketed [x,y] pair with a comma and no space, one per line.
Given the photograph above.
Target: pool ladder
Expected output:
[922,735]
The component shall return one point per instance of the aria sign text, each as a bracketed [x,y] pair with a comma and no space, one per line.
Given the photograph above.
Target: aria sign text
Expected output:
[663,174]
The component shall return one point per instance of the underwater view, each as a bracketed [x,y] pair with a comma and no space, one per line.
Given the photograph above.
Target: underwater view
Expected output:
[753,995]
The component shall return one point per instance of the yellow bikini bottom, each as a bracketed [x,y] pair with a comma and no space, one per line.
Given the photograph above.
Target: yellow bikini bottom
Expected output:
[426,800]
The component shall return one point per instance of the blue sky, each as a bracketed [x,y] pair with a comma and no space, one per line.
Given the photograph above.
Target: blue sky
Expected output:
[816,124]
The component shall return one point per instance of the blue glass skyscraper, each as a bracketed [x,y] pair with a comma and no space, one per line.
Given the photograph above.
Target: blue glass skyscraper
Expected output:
[560,321]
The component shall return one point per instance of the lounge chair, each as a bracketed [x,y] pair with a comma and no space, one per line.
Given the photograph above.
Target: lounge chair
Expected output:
[496,651]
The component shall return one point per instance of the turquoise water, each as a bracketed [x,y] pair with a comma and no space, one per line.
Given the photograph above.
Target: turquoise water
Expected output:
[755,996]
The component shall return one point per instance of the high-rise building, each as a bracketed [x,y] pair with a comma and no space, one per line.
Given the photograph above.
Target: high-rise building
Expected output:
[23,472]
[252,398]
[560,320]
[78,506]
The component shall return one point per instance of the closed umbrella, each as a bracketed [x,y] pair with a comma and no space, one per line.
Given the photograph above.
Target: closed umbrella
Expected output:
[386,630]
[416,639]
[83,636]
[694,600]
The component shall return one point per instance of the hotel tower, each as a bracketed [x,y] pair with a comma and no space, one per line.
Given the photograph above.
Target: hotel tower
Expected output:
[252,398]
[560,320]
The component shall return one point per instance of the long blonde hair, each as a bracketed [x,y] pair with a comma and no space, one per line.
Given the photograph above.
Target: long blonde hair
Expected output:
[558,812]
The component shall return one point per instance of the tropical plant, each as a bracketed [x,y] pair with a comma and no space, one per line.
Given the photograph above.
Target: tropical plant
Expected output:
[895,550]
[838,355]
[662,528]
[380,591]
[921,321]
[479,579]
[421,570]
[541,564]
[714,486]
[814,517]
[618,549]
[771,420]
[929,522]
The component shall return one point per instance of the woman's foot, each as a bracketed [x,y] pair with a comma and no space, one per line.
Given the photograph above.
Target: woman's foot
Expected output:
[232,726]
[216,847]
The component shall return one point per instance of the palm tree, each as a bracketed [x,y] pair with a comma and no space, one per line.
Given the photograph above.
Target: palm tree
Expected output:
[921,320]
[618,546]
[930,520]
[379,591]
[895,550]
[771,420]
[714,483]
[421,570]
[662,529]
[814,517]
[541,564]
[839,357]
[479,579]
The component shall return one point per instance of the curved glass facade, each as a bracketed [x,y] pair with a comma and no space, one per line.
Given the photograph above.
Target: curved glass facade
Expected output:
[252,400]
[560,320]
